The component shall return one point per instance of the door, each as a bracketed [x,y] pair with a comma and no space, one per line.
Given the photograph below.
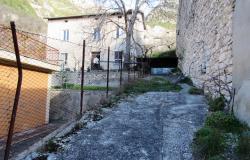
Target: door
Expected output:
[95,65]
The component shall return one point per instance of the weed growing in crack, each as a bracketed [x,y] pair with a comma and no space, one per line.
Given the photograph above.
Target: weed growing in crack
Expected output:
[51,146]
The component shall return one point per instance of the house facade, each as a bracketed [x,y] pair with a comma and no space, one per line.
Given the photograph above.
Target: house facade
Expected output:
[213,49]
[100,31]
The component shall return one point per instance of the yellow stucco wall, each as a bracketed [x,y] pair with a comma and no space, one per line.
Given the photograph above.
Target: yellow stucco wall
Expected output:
[32,105]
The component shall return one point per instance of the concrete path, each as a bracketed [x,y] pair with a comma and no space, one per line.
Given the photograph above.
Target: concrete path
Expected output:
[152,126]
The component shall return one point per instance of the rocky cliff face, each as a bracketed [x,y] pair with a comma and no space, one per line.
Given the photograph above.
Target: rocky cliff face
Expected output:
[162,25]
[165,12]
[29,14]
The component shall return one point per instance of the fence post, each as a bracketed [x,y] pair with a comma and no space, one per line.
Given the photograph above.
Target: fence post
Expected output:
[82,78]
[18,91]
[121,67]
[107,91]
[128,67]
[134,68]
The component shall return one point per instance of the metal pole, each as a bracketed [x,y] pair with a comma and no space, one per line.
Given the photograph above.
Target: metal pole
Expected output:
[121,67]
[82,78]
[128,67]
[107,92]
[18,91]
[134,68]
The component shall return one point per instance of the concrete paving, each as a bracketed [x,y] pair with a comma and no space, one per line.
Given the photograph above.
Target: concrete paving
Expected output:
[152,126]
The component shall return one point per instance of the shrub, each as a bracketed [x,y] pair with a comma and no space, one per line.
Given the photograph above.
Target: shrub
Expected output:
[195,91]
[217,104]
[209,142]
[224,122]
[244,146]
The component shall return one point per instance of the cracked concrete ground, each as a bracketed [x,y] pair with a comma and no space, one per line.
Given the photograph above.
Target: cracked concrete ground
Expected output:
[151,126]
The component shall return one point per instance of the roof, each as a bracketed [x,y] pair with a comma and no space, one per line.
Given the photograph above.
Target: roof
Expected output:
[90,15]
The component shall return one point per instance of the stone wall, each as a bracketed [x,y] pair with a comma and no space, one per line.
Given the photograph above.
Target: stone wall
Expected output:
[65,104]
[204,43]
[93,78]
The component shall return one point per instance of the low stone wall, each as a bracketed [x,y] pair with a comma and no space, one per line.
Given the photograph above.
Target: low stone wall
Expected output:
[65,104]
[95,78]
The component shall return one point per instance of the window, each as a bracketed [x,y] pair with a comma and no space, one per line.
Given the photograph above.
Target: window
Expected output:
[119,32]
[118,56]
[64,58]
[97,34]
[66,35]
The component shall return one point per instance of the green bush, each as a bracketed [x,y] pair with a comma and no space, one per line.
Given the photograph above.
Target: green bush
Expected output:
[195,91]
[209,142]
[217,104]
[243,147]
[224,122]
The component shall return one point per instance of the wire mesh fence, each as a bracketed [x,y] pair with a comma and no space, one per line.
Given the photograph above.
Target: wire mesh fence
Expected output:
[50,98]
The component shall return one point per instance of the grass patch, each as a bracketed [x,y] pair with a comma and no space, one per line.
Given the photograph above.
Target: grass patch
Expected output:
[224,122]
[208,142]
[217,104]
[78,87]
[195,91]
[156,84]
[169,53]
[187,80]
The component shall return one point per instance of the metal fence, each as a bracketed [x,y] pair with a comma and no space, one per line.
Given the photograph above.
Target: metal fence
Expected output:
[31,105]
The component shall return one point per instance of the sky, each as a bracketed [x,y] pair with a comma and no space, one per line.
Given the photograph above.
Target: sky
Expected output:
[130,4]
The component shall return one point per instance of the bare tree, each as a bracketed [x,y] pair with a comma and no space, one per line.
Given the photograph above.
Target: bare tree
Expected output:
[130,16]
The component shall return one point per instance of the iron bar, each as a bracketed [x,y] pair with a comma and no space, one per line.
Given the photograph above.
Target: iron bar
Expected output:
[134,67]
[121,68]
[18,92]
[82,78]
[107,92]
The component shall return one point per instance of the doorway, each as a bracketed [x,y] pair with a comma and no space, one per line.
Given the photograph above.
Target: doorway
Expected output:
[95,60]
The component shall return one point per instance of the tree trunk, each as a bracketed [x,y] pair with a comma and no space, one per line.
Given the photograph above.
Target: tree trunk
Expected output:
[128,50]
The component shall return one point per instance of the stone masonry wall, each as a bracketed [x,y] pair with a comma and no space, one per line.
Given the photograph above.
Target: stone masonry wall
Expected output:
[204,43]
[93,78]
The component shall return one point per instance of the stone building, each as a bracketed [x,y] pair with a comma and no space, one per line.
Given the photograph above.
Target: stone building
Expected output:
[213,49]
[100,31]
